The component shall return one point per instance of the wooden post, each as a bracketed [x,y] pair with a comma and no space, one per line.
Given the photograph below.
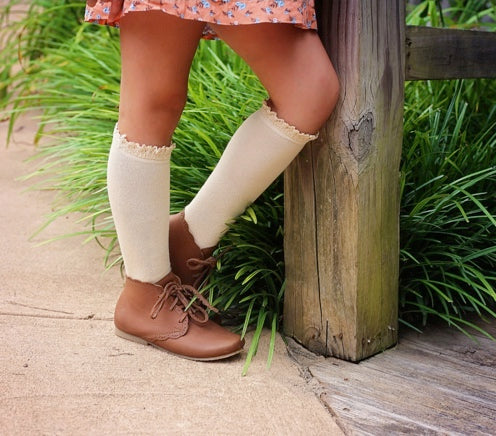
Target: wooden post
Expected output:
[342,192]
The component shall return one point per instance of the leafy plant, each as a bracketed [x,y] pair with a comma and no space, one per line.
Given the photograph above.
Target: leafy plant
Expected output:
[28,29]
[448,178]
[448,226]
[462,14]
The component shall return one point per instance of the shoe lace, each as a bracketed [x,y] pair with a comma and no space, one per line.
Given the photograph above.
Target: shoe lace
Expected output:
[188,298]
[201,268]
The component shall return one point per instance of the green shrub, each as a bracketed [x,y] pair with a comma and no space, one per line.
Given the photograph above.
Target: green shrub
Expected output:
[448,226]
[448,220]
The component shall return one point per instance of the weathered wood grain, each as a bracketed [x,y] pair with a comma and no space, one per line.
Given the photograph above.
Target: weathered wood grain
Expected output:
[438,382]
[451,345]
[433,53]
[342,192]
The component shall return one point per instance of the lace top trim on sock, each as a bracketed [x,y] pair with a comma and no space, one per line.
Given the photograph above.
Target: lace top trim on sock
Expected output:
[151,152]
[290,131]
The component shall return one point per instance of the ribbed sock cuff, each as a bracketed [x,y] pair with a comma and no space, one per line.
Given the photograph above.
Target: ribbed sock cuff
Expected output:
[147,152]
[282,127]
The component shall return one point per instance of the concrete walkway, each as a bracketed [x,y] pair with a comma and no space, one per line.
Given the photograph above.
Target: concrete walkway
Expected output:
[63,371]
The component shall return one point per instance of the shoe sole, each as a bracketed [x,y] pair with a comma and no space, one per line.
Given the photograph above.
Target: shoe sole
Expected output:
[139,340]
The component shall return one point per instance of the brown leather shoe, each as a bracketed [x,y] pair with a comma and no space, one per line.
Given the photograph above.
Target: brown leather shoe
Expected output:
[191,263]
[163,315]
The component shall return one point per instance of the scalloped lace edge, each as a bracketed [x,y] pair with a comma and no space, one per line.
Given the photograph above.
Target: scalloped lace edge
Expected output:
[291,131]
[150,152]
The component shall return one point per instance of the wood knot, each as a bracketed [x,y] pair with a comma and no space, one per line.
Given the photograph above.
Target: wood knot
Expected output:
[360,136]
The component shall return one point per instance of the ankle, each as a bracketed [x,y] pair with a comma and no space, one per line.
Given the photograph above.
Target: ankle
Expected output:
[206,243]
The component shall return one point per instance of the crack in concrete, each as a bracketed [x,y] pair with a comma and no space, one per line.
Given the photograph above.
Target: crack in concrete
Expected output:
[15,303]
[77,318]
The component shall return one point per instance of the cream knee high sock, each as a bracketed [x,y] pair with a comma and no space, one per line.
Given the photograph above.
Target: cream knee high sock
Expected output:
[260,150]
[138,181]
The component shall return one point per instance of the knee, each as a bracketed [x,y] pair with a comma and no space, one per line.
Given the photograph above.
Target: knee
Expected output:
[314,94]
[150,117]
[324,93]
[311,105]
[156,104]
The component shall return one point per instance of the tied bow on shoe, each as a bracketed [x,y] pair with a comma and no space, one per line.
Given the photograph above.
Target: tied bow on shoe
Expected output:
[201,267]
[183,296]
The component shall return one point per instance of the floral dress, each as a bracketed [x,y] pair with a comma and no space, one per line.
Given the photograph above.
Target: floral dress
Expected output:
[229,12]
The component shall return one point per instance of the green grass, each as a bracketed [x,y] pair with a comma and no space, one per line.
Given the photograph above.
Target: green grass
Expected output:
[448,207]
[448,222]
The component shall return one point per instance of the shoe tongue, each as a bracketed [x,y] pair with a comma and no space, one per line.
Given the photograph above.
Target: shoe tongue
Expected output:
[168,278]
[207,252]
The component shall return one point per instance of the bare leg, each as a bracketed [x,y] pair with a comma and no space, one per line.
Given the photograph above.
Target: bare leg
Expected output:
[157,51]
[295,69]
[293,66]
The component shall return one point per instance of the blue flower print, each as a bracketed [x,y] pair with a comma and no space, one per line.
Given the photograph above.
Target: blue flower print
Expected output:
[224,12]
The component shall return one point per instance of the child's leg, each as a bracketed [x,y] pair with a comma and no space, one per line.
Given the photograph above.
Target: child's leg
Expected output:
[296,71]
[157,50]
[294,68]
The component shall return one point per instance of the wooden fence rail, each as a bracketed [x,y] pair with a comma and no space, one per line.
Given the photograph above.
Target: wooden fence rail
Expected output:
[342,192]
[433,53]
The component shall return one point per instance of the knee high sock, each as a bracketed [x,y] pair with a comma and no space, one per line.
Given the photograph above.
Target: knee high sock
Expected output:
[260,150]
[138,182]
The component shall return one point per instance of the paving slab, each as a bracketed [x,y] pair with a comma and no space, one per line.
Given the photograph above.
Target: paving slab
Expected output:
[63,371]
